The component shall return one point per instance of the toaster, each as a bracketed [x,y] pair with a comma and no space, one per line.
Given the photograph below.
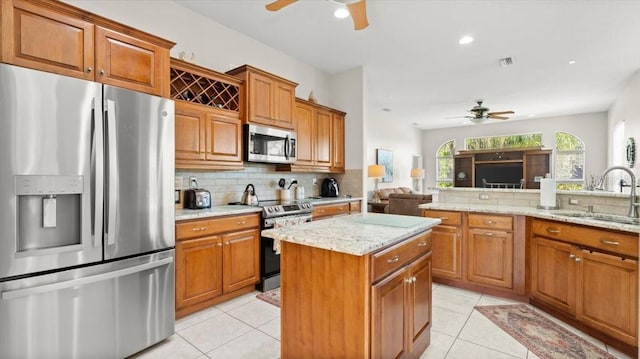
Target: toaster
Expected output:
[197,198]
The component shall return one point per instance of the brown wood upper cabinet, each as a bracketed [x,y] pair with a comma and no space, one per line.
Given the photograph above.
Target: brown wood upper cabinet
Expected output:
[208,126]
[55,37]
[268,99]
[320,139]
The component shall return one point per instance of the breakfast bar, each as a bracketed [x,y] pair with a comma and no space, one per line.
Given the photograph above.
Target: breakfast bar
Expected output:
[356,286]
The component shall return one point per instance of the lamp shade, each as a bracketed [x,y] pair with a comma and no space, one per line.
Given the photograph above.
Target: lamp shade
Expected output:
[417,173]
[376,171]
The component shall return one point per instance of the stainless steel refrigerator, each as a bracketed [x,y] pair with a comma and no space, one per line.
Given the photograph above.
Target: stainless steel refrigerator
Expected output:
[86,217]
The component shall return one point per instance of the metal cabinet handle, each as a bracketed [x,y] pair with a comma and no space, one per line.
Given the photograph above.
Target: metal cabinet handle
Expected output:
[101,72]
[488,221]
[578,260]
[393,259]
[613,243]
[552,230]
[219,244]
[89,69]
[199,229]
[408,280]
[572,256]
[227,242]
[489,234]
[422,244]
[244,221]
[444,218]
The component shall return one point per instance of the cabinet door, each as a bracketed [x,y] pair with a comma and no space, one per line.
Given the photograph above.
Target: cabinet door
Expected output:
[323,138]
[389,321]
[607,294]
[260,99]
[223,138]
[420,297]
[337,143]
[553,273]
[490,257]
[124,61]
[283,107]
[304,133]
[46,40]
[190,127]
[198,270]
[241,261]
[447,252]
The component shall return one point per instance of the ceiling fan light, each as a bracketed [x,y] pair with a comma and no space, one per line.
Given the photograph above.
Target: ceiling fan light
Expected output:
[477,120]
[341,13]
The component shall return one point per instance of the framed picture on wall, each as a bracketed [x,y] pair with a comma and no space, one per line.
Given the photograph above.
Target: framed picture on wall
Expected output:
[385,157]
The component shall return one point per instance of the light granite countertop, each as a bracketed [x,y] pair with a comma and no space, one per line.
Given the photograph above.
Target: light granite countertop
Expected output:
[233,209]
[356,234]
[556,215]
[215,211]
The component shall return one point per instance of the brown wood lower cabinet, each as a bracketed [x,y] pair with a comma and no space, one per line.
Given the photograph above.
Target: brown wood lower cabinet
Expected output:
[216,259]
[324,211]
[447,249]
[372,306]
[593,287]
[402,311]
[490,257]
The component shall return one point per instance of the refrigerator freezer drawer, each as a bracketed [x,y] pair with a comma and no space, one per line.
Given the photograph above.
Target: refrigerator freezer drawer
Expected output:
[109,310]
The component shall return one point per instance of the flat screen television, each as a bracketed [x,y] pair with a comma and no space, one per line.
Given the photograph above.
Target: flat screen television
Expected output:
[498,173]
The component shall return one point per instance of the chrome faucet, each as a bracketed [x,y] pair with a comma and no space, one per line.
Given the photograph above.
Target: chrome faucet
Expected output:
[633,205]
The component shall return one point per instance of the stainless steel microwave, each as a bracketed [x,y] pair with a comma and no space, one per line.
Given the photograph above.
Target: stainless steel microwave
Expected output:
[269,145]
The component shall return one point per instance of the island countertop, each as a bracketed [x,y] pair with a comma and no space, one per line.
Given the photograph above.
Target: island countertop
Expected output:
[356,234]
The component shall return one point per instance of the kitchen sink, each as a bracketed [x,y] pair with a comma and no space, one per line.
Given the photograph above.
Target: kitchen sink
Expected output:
[600,217]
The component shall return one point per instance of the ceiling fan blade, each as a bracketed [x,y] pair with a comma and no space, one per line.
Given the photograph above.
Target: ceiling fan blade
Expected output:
[498,117]
[501,113]
[358,13]
[279,4]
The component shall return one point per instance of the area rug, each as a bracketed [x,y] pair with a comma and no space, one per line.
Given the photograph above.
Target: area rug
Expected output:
[543,337]
[271,296]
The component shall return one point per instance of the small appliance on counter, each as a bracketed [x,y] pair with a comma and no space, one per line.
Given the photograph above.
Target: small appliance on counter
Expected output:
[197,198]
[329,188]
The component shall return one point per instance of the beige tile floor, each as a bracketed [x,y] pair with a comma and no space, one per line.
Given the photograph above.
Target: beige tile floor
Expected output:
[247,327]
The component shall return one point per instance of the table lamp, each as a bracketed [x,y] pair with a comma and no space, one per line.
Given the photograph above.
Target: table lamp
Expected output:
[376,172]
[417,174]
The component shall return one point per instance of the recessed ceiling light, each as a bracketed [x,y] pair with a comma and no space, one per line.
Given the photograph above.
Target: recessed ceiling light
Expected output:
[341,13]
[465,40]
[571,62]
[386,109]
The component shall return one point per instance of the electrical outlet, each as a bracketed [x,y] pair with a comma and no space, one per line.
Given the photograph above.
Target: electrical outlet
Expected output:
[193,182]
[292,179]
[484,196]
[314,181]
[574,201]
[537,178]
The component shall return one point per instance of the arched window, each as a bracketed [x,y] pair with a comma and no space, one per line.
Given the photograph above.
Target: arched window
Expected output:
[569,161]
[444,164]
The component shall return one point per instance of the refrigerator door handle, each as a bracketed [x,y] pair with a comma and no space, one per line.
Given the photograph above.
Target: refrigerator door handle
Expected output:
[18,293]
[97,175]
[112,180]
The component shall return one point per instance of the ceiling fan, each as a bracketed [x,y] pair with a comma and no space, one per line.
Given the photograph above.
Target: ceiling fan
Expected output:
[357,9]
[480,113]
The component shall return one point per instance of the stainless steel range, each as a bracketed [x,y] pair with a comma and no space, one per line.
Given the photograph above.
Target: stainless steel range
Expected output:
[277,214]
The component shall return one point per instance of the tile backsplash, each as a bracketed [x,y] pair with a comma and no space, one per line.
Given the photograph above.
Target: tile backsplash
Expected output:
[228,186]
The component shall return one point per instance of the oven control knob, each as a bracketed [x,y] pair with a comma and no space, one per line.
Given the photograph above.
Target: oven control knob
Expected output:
[269,209]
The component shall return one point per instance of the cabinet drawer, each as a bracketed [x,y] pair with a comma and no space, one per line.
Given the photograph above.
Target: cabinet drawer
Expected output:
[490,221]
[330,210]
[448,218]
[616,242]
[392,258]
[207,227]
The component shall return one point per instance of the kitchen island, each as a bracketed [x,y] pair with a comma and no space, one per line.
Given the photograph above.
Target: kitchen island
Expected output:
[356,286]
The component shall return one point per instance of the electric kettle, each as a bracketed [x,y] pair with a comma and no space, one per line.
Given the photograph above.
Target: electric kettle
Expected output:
[249,196]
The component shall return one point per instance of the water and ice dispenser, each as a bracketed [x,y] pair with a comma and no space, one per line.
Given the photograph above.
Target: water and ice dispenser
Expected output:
[49,211]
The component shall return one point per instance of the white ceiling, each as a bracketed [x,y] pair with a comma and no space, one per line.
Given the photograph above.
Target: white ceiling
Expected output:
[414,65]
